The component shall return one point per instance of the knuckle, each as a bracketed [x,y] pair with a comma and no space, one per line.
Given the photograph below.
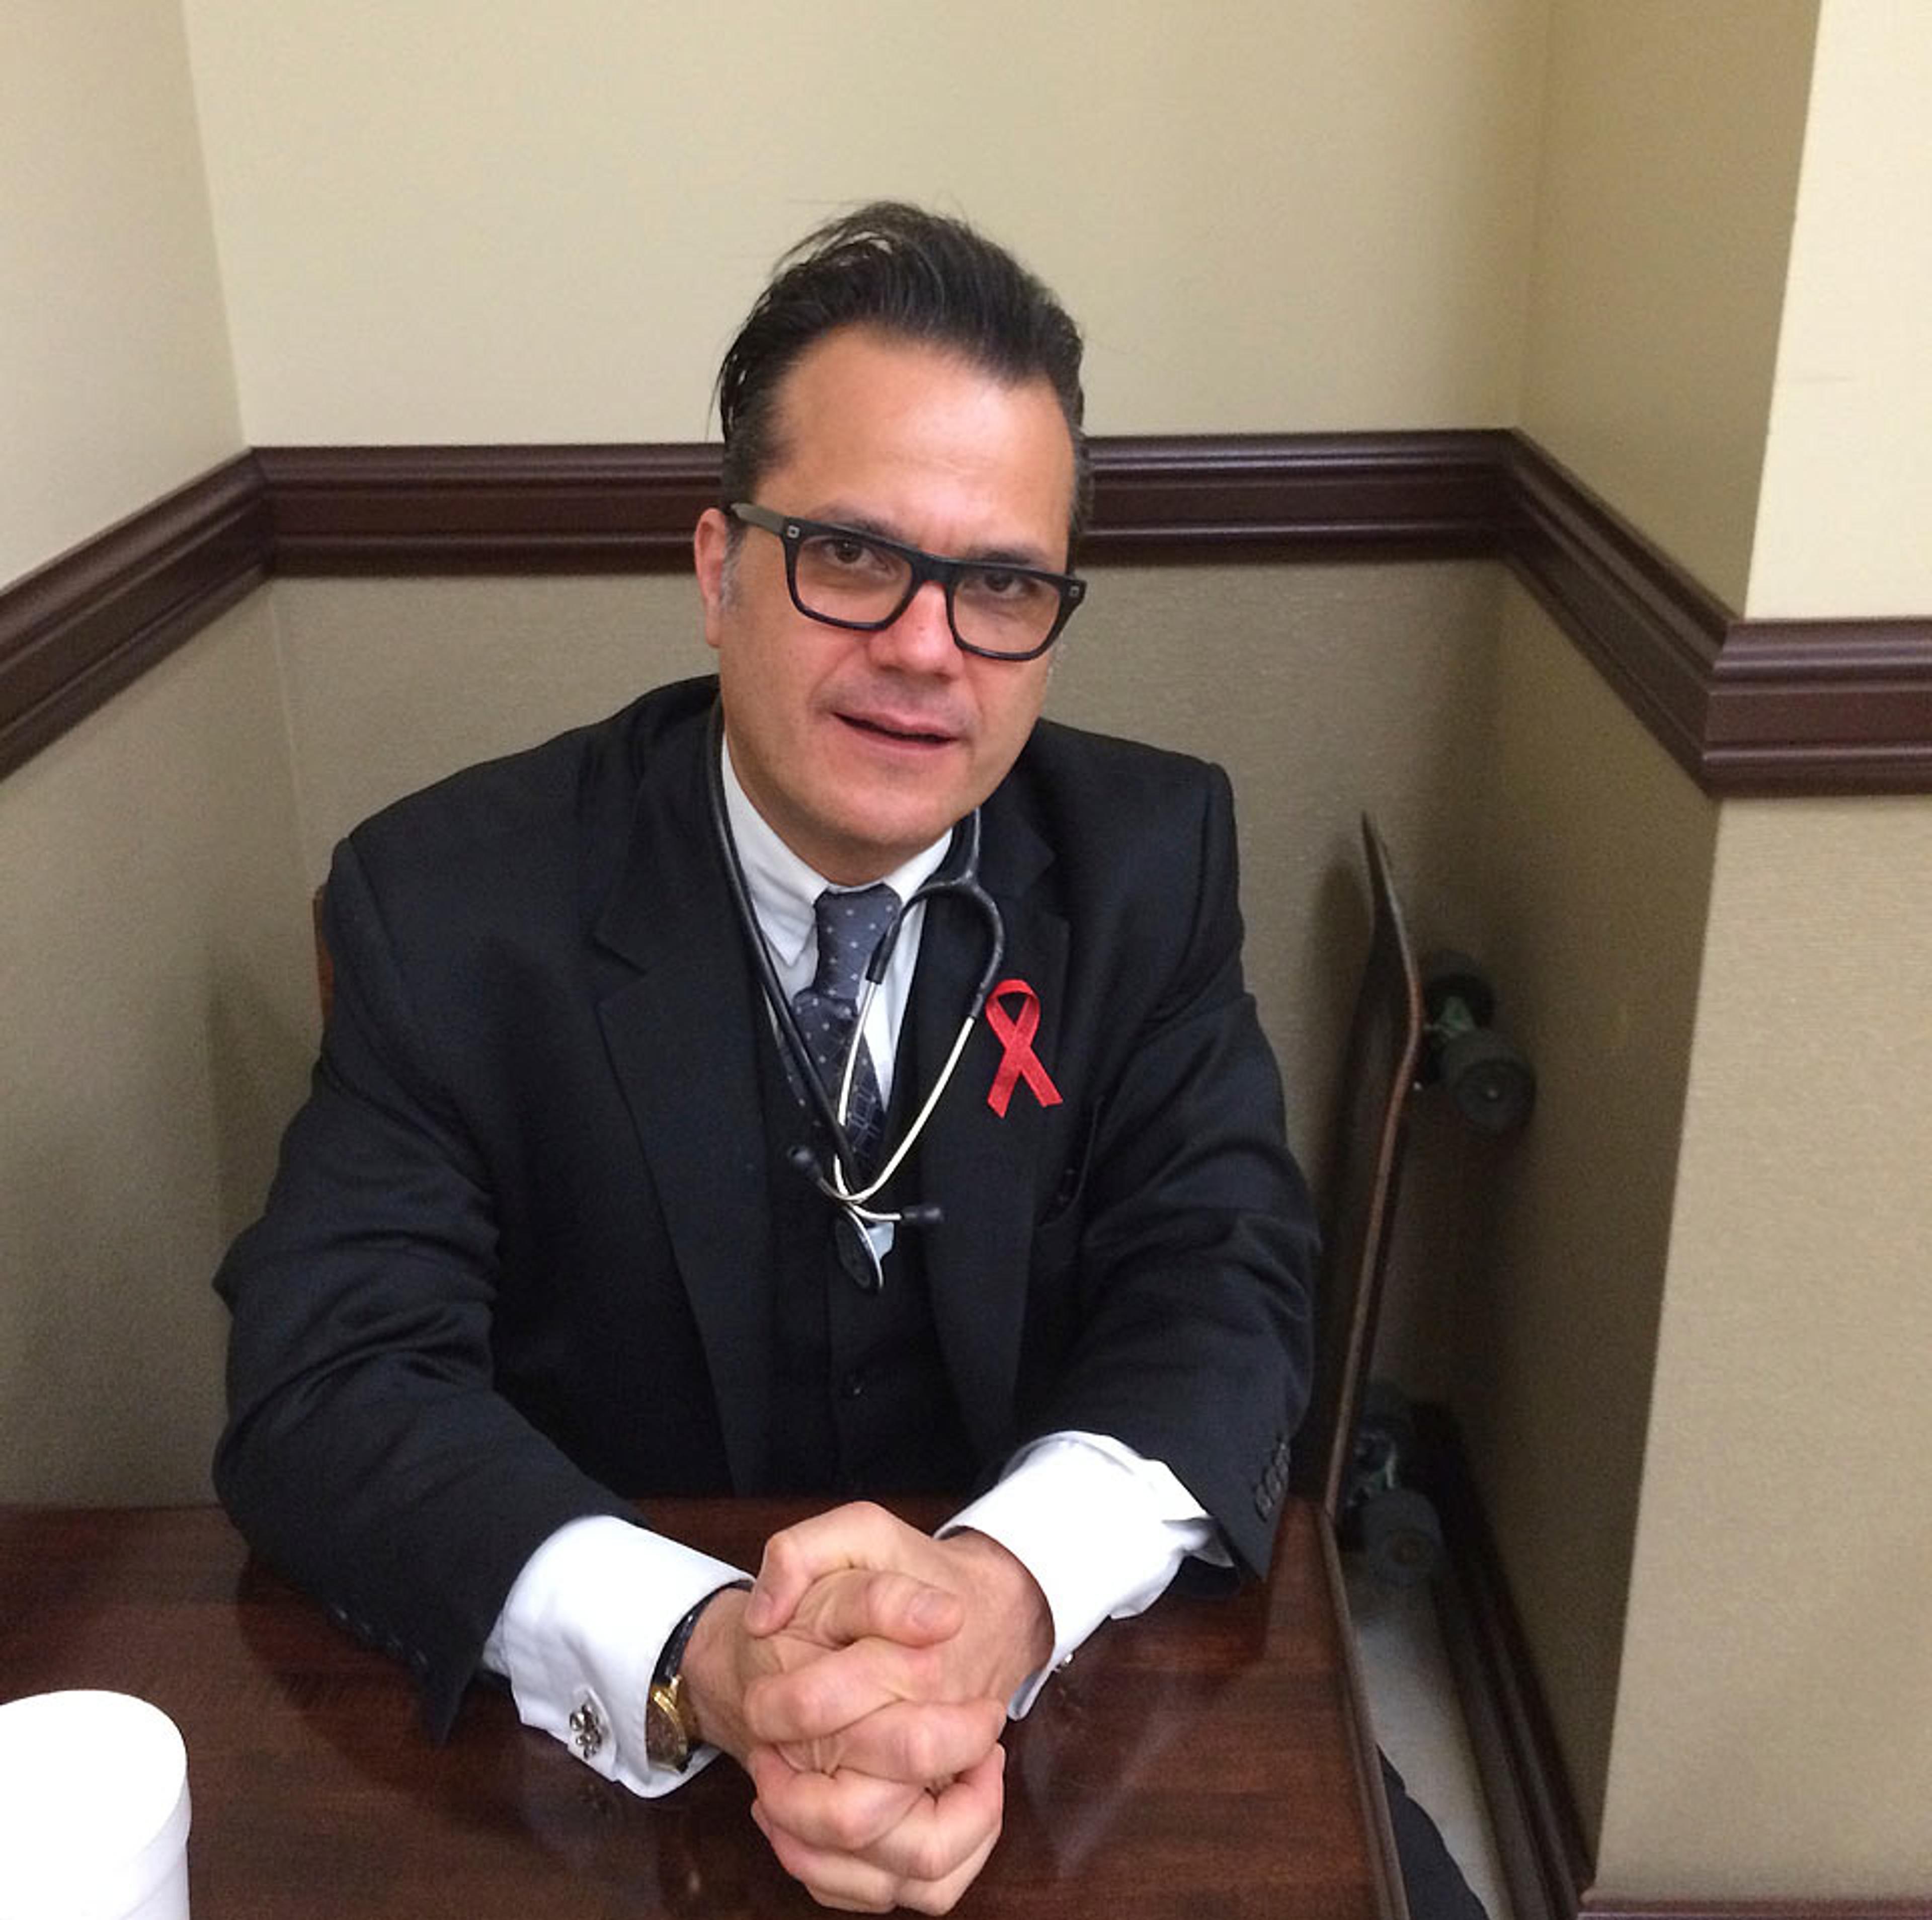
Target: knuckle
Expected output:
[846,1825]
[931,1861]
[921,1756]
[868,1516]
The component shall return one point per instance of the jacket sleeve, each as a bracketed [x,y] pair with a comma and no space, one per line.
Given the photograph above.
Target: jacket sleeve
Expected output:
[1196,1241]
[366,1455]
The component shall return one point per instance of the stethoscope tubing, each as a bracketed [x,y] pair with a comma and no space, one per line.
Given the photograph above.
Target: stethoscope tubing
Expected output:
[958,874]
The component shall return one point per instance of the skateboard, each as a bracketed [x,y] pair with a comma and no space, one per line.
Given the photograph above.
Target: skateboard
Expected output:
[1417,1031]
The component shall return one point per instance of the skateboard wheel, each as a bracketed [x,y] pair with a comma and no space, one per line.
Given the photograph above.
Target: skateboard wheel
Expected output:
[1493,1086]
[1402,1538]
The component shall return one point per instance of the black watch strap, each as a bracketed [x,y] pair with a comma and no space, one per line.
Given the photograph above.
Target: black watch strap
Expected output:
[672,1658]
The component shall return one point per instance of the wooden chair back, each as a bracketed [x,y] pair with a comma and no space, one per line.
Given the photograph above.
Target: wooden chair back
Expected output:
[325,967]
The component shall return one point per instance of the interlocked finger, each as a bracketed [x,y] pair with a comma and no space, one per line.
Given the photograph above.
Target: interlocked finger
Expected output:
[826,1696]
[927,1743]
[925,1862]
[859,1604]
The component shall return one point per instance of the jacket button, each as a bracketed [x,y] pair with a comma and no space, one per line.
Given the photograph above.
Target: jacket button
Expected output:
[853,1387]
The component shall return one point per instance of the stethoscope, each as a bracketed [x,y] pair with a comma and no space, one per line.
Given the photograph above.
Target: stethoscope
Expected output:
[958,876]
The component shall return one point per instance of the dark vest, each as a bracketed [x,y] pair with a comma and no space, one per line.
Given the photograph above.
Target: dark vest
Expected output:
[862,1402]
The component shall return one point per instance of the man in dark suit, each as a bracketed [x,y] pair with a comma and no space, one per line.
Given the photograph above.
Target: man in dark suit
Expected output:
[565,1222]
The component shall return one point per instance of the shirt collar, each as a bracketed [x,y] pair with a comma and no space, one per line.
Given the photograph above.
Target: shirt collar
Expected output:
[784,889]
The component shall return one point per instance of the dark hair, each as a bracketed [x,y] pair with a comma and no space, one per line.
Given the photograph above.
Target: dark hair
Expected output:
[917,276]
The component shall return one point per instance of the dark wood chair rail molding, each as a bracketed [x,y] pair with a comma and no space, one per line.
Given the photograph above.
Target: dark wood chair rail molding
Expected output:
[79,629]
[1538,1831]
[1299,496]
[480,509]
[1745,707]
[568,509]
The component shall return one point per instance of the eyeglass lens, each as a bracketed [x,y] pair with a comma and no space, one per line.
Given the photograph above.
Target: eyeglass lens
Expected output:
[842,576]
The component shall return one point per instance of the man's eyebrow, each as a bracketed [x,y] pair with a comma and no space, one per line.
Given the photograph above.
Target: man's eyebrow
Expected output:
[1012,557]
[993,555]
[856,522]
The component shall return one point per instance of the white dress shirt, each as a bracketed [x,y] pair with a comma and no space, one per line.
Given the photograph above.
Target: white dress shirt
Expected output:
[1101,1529]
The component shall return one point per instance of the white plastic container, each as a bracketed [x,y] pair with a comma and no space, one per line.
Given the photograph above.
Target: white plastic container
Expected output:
[94,1809]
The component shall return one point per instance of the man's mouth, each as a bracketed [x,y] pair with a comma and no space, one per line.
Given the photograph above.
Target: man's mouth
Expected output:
[899,732]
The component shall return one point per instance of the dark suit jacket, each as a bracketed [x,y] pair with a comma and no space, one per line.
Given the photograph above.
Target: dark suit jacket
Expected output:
[515,1266]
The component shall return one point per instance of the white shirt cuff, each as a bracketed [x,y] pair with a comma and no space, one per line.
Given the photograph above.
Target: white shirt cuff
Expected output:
[580,1634]
[1101,1529]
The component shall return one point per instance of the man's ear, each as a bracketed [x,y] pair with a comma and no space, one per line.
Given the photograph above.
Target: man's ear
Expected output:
[710,551]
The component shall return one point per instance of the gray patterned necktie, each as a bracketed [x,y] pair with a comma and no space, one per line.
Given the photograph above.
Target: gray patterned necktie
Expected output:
[850,926]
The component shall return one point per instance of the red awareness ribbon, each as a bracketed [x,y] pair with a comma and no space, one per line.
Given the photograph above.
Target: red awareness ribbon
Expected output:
[1019,1062]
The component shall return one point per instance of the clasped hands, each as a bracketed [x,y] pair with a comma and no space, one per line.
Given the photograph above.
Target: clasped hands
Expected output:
[862,1684]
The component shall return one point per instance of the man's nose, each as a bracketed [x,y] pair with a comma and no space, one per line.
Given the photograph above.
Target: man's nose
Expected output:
[920,640]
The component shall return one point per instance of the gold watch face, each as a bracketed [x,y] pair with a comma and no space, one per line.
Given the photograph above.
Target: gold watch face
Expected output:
[667,1739]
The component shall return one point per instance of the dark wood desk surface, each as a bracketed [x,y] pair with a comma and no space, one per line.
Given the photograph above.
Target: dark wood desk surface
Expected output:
[1211,1757]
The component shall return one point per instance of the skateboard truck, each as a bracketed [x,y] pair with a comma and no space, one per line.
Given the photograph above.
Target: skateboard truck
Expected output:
[1492,1084]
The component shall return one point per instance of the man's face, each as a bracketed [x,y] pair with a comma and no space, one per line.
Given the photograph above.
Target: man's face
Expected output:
[860,748]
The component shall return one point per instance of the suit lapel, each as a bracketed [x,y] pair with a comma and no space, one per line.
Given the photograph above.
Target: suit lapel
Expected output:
[979,1168]
[679,1022]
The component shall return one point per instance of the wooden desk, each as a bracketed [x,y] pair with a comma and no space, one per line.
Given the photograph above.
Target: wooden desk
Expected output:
[1211,1757]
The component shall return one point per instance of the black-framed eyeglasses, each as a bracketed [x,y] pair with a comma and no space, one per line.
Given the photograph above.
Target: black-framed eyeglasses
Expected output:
[847,577]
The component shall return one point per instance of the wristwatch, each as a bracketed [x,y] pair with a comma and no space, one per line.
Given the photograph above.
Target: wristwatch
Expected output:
[670,1729]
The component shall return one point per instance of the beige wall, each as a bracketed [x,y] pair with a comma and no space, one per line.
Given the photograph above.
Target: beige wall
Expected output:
[1845,527]
[159,990]
[1753,1203]
[1326,692]
[394,683]
[478,220]
[115,385]
[1669,167]
[1774,1729]
[1599,851]
[144,970]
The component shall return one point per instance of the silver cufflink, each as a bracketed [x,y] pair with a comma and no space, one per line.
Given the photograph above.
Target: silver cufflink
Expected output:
[586,1729]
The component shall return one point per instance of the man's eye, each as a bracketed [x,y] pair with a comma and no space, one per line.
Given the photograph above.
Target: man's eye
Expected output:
[1000,586]
[845,552]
